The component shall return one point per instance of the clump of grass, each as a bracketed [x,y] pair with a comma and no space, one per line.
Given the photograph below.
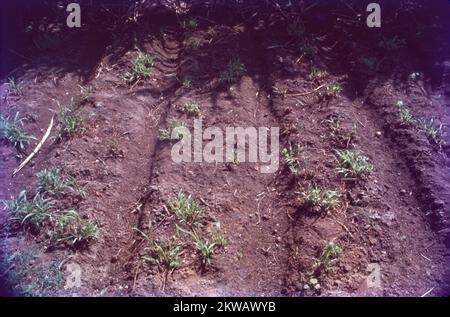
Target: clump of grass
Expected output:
[189,24]
[15,87]
[72,184]
[72,228]
[194,43]
[12,131]
[186,81]
[328,257]
[187,209]
[353,163]
[191,108]
[142,67]
[330,90]
[293,156]
[70,120]
[165,254]
[318,76]
[166,133]
[434,132]
[314,196]
[405,114]
[28,213]
[234,69]
[338,135]
[280,91]
[85,93]
[49,181]
[205,248]
[216,236]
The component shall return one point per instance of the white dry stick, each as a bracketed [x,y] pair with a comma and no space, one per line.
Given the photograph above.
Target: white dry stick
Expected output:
[427,292]
[38,147]
[306,93]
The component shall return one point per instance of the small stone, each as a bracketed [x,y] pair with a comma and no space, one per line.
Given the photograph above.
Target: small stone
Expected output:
[403,192]
[278,240]
[265,217]
[378,133]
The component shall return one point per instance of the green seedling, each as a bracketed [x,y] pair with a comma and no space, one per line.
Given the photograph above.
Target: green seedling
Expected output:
[189,24]
[187,209]
[85,93]
[318,76]
[12,131]
[72,228]
[434,132]
[49,181]
[28,213]
[329,90]
[216,236]
[70,120]
[353,163]
[142,68]
[280,91]
[328,257]
[293,156]
[234,69]
[324,199]
[72,184]
[165,254]
[191,108]
[166,133]
[15,87]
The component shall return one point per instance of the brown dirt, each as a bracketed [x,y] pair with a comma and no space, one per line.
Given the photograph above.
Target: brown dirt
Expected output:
[396,217]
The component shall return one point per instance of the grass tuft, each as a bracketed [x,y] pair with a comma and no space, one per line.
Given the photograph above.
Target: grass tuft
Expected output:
[324,199]
[72,228]
[70,120]
[142,67]
[187,209]
[328,257]
[12,131]
[353,163]
[234,69]
[28,213]
[15,87]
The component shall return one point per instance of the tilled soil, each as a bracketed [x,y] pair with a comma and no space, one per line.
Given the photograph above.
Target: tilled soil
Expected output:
[394,217]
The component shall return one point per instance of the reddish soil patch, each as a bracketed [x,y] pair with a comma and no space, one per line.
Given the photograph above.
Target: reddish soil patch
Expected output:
[396,217]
